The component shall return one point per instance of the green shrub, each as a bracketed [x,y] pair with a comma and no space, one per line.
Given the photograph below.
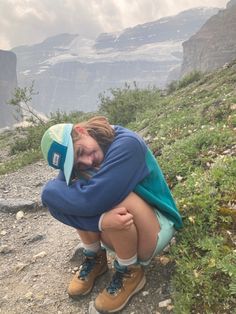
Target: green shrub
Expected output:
[192,77]
[123,105]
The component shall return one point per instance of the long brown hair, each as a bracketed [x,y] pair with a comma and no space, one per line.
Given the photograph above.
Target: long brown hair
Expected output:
[99,128]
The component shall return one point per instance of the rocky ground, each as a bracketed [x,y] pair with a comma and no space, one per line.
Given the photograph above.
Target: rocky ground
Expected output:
[38,256]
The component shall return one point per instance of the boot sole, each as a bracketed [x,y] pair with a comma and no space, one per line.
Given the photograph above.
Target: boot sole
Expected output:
[78,296]
[137,289]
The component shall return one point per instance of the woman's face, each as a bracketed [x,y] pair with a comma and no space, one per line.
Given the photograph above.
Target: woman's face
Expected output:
[87,152]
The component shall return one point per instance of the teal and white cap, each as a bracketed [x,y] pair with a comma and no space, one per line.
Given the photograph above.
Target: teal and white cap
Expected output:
[57,148]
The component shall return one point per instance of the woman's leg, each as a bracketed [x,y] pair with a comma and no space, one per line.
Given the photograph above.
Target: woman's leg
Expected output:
[138,239]
[88,237]
[141,237]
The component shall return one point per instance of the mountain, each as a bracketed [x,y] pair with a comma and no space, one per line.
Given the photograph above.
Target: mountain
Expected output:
[8,82]
[70,71]
[214,44]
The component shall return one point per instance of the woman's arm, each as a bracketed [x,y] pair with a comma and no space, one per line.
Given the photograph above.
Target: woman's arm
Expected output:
[123,168]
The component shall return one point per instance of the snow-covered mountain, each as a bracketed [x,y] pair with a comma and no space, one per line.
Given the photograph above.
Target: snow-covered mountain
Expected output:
[70,71]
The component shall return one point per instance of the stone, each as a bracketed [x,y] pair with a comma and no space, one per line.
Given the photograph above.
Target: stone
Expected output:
[165,303]
[19,215]
[38,237]
[92,309]
[145,293]
[29,295]
[164,260]
[20,266]
[15,205]
[5,249]
[39,255]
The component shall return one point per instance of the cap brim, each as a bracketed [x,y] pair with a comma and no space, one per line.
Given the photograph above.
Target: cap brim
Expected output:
[69,161]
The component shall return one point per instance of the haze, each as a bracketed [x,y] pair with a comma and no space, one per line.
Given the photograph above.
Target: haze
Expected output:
[26,22]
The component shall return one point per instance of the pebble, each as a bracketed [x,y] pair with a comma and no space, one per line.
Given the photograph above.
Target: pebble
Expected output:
[39,255]
[19,215]
[5,249]
[76,268]
[20,266]
[3,232]
[170,307]
[164,260]
[165,303]
[92,309]
[35,238]
[145,293]
[29,295]
[179,178]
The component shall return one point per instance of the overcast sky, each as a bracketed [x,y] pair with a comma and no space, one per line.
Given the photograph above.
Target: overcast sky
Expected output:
[25,22]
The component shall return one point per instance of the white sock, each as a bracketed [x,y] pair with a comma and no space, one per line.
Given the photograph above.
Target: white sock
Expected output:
[93,247]
[126,262]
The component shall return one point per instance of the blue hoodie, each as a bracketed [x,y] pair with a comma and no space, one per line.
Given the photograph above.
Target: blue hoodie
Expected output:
[128,166]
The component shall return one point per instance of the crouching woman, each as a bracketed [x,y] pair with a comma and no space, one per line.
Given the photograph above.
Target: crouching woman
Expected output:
[111,189]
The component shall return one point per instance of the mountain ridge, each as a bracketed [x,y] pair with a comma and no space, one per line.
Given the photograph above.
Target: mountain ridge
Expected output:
[149,63]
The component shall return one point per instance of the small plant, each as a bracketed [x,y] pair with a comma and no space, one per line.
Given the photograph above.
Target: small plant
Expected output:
[192,77]
[172,87]
[22,101]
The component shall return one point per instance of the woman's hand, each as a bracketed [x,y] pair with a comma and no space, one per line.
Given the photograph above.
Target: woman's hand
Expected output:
[117,218]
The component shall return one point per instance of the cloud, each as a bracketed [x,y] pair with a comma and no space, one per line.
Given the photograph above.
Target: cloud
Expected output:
[31,21]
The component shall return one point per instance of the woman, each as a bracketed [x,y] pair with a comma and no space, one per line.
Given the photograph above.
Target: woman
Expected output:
[111,189]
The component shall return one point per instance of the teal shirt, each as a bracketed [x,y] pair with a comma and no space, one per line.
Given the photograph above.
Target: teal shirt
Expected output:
[155,191]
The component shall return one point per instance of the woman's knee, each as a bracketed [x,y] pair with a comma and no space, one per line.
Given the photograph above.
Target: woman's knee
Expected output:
[142,212]
[133,202]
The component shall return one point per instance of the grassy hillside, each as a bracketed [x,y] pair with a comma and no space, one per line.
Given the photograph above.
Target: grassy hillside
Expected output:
[193,132]
[191,128]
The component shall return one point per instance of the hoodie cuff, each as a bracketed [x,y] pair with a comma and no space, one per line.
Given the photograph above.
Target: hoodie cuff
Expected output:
[100,222]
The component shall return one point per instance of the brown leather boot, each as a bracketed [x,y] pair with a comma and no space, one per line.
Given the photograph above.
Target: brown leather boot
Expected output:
[94,265]
[125,283]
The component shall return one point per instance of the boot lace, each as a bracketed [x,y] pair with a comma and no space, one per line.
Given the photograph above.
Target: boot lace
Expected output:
[117,281]
[86,267]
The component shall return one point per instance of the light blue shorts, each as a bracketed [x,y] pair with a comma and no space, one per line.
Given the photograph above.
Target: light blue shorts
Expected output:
[164,236]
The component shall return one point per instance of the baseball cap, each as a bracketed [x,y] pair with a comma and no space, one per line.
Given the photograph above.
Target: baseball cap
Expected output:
[57,148]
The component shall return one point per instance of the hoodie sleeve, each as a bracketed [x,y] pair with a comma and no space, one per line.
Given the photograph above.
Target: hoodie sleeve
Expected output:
[122,169]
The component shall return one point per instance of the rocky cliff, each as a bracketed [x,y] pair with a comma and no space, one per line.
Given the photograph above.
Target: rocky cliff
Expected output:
[214,44]
[69,71]
[8,82]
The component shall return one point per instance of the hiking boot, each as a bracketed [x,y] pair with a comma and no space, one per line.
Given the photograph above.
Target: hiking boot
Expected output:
[94,265]
[125,282]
